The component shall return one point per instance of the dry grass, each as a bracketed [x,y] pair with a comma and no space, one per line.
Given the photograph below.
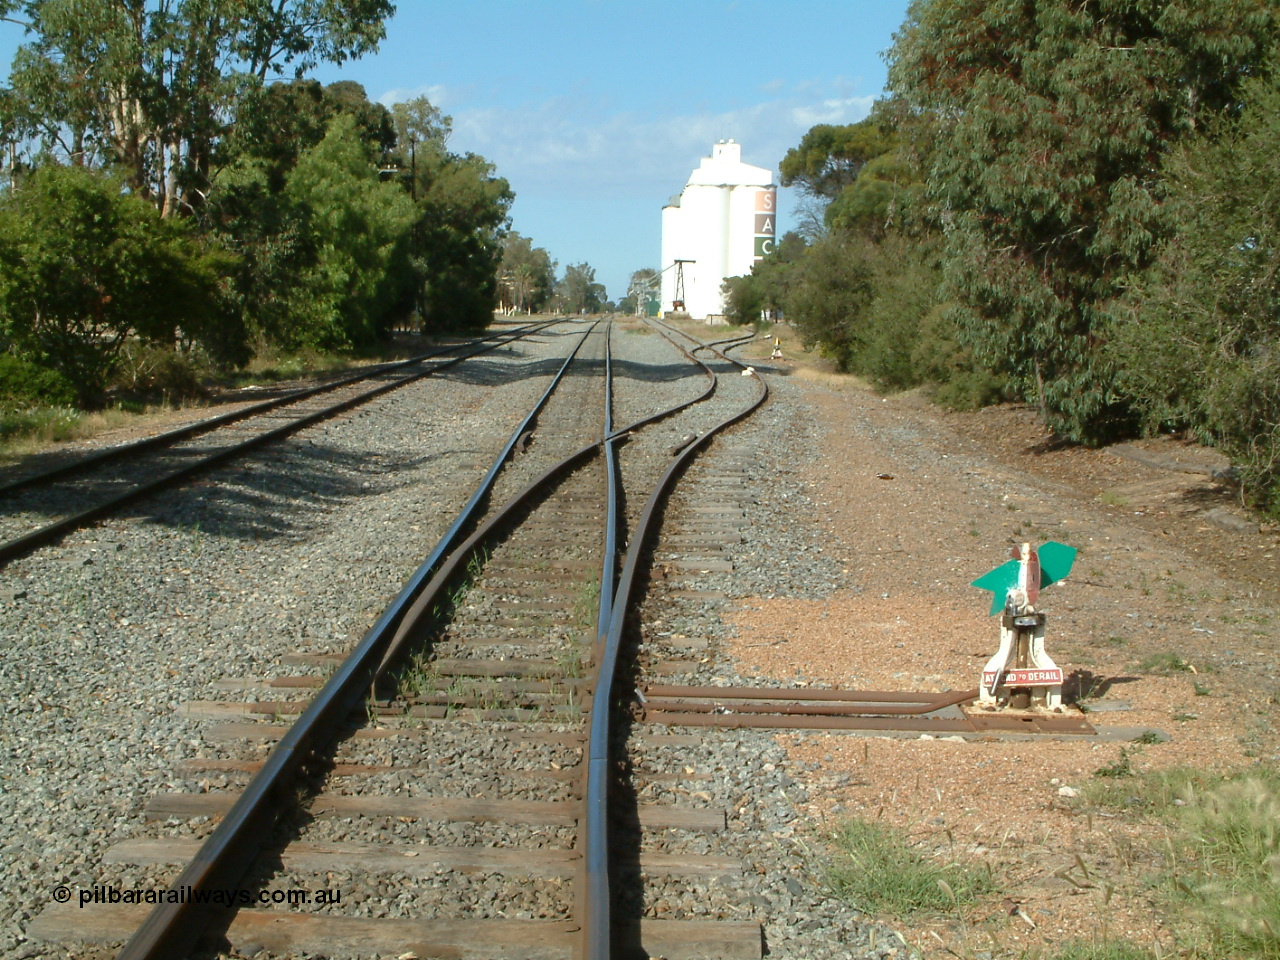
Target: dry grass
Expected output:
[33,431]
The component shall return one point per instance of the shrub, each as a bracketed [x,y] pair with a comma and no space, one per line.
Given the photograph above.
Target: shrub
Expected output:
[24,384]
[84,268]
[155,371]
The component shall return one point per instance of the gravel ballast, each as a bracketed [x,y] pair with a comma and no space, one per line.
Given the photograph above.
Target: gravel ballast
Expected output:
[110,632]
[298,549]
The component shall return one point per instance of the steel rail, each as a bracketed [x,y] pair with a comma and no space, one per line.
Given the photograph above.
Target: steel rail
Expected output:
[221,420]
[970,724]
[172,929]
[609,568]
[670,411]
[598,928]
[447,570]
[929,702]
[224,857]
[19,546]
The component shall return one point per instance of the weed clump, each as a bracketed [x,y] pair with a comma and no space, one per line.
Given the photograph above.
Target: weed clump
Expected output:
[1165,663]
[877,870]
[1233,835]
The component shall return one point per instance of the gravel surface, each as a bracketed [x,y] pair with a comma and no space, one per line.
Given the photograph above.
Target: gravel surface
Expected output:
[112,630]
[776,551]
[218,582]
[914,503]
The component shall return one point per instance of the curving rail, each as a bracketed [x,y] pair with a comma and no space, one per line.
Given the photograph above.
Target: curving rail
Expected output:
[597,920]
[172,929]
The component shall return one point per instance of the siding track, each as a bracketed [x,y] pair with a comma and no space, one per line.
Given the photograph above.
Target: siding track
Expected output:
[88,489]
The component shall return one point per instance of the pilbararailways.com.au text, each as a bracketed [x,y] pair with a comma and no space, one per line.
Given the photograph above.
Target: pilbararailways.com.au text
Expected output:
[101,894]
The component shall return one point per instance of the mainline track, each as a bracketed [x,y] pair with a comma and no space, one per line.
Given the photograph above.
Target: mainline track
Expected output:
[518,616]
[88,489]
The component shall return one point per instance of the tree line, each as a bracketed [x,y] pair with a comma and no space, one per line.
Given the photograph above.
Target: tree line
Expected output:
[1068,203]
[176,195]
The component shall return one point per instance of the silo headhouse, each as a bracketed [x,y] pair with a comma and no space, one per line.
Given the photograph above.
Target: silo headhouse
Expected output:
[723,221]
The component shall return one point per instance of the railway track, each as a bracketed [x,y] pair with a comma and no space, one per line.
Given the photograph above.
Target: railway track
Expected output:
[40,507]
[482,781]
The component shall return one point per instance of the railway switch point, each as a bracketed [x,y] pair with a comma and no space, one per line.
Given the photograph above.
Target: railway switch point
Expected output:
[1022,675]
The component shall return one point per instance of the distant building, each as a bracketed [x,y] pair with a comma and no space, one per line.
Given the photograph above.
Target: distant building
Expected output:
[722,222]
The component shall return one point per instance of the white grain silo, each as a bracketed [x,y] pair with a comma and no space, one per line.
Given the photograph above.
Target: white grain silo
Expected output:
[722,222]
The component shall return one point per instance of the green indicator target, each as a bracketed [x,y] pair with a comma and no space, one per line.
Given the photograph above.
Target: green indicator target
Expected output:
[1055,563]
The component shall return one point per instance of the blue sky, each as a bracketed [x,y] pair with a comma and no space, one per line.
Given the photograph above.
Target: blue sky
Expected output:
[596,111]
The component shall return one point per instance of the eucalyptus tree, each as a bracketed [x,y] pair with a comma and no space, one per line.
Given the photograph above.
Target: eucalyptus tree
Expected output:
[1197,339]
[527,272]
[85,268]
[578,291]
[463,215]
[1054,118]
[152,86]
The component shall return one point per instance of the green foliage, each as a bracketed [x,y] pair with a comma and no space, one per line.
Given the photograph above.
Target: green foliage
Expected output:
[279,122]
[84,267]
[1118,768]
[528,274]
[1149,792]
[1165,663]
[768,284]
[886,185]
[1053,120]
[462,213]
[359,227]
[154,89]
[24,384]
[1101,950]
[150,370]
[888,188]
[743,298]
[829,158]
[830,295]
[314,218]
[1221,853]
[643,288]
[875,869]
[50,424]
[578,290]
[1198,340]
[299,271]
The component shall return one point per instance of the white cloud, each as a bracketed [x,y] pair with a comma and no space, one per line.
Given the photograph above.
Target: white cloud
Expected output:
[844,110]
[436,93]
[567,142]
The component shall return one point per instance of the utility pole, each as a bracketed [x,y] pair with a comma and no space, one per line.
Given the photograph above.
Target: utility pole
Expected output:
[413,235]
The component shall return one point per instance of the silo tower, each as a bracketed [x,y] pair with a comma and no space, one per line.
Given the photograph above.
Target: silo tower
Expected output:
[723,221]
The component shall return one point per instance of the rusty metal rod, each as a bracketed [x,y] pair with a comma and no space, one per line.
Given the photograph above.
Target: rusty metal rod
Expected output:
[940,725]
[798,693]
[686,705]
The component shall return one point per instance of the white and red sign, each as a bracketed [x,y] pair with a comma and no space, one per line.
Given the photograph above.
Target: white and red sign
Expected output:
[1024,678]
